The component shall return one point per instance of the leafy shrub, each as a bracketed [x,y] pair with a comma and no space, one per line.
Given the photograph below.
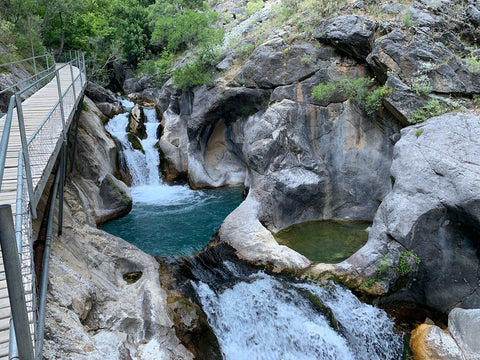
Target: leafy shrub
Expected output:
[322,92]
[403,262]
[198,72]
[254,6]
[243,51]
[306,60]
[373,102]
[421,85]
[354,89]
[433,108]
[473,64]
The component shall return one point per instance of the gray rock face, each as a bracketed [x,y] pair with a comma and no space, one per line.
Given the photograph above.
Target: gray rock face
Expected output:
[99,94]
[214,158]
[308,163]
[432,210]
[94,160]
[275,63]
[351,34]
[409,57]
[464,325]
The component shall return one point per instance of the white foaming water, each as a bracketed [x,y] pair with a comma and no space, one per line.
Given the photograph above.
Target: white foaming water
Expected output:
[127,104]
[147,187]
[265,318]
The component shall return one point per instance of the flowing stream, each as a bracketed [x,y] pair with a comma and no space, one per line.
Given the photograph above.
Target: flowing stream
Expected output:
[260,316]
[166,219]
[254,315]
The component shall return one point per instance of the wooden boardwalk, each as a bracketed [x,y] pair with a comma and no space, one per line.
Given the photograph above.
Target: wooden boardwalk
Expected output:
[40,111]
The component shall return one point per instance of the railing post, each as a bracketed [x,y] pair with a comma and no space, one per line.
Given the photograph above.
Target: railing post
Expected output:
[13,73]
[73,83]
[63,172]
[26,157]
[5,137]
[60,99]
[13,274]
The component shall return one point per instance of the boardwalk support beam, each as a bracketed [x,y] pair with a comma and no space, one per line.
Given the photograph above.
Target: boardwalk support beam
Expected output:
[13,274]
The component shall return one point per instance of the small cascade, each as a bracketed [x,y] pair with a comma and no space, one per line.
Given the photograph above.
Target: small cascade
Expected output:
[143,167]
[258,316]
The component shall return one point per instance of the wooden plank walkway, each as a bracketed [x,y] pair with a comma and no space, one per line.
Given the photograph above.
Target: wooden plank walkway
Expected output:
[43,150]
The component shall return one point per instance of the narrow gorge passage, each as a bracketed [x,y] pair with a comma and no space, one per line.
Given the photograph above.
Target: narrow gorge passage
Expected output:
[166,220]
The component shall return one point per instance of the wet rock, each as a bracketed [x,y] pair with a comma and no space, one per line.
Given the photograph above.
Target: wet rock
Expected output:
[431,342]
[137,122]
[350,34]
[110,109]
[94,160]
[115,196]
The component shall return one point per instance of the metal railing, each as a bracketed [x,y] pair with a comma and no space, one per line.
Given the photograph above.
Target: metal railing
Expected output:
[42,65]
[43,146]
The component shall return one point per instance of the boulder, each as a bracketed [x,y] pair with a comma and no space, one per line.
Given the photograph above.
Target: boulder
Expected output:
[464,325]
[110,109]
[136,124]
[99,94]
[431,342]
[350,34]
[275,63]
[433,212]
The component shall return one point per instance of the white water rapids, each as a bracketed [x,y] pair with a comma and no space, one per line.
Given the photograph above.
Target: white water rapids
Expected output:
[265,318]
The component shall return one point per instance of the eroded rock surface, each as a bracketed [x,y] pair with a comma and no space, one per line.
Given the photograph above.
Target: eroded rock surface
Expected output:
[433,211]
[105,299]
[95,160]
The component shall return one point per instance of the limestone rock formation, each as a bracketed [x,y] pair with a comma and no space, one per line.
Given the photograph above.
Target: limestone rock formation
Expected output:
[104,98]
[431,342]
[94,161]
[458,342]
[432,211]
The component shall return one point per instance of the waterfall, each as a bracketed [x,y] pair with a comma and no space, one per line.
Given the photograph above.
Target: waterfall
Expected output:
[143,168]
[267,317]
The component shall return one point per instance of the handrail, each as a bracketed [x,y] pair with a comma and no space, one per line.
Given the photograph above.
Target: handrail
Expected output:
[36,74]
[68,101]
